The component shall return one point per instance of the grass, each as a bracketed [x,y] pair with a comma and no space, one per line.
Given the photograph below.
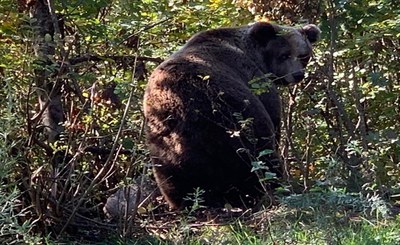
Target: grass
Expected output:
[315,218]
[322,217]
[310,228]
[285,232]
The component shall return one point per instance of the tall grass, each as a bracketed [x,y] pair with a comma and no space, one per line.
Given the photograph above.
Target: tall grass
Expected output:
[15,225]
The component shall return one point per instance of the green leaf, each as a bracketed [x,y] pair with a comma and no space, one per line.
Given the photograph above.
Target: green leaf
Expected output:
[265,152]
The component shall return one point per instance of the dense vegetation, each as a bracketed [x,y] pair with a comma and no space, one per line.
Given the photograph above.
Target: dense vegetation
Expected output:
[71,126]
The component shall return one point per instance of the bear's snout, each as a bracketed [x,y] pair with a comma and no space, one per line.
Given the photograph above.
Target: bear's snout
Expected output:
[298,76]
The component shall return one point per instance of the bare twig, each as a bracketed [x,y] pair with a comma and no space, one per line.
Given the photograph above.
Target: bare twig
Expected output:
[117,58]
[106,167]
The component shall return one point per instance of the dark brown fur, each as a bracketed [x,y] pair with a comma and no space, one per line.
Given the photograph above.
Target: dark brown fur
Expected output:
[198,100]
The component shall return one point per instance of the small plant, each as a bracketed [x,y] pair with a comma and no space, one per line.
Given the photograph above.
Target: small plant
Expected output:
[258,165]
[196,199]
[261,84]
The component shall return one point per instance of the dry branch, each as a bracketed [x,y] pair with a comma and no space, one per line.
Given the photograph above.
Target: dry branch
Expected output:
[116,58]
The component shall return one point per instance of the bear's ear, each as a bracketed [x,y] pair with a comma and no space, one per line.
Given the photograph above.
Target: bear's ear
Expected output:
[262,32]
[311,31]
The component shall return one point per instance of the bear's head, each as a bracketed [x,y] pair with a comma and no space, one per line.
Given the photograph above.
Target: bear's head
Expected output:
[285,51]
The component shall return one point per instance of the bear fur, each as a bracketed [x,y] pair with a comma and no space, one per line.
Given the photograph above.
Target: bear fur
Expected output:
[205,127]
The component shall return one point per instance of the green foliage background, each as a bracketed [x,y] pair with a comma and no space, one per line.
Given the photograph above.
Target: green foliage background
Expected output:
[341,125]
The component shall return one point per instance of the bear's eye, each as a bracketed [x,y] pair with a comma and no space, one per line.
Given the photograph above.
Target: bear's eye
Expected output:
[284,57]
[304,59]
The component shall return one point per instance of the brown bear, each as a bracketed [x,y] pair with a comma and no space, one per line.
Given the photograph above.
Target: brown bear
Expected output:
[205,127]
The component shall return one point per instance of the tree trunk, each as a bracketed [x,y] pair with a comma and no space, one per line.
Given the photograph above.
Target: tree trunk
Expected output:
[48,89]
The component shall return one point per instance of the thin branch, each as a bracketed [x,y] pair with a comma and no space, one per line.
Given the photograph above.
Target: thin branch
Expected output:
[145,29]
[117,58]
[106,166]
[104,151]
[54,20]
